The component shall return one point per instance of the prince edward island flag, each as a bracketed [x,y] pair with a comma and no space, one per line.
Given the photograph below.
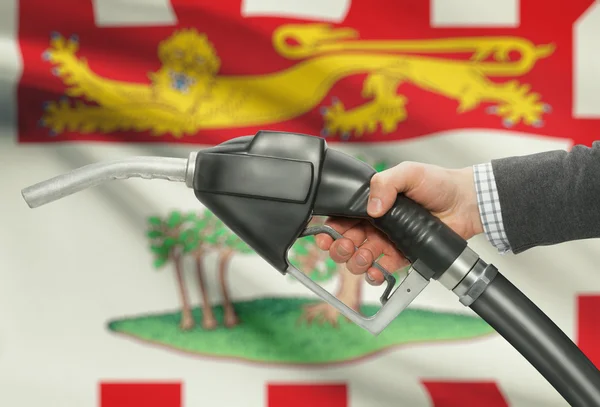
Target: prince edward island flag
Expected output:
[132,294]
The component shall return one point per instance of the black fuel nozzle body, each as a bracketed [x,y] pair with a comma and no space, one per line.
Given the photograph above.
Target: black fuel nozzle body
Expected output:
[267,187]
[263,188]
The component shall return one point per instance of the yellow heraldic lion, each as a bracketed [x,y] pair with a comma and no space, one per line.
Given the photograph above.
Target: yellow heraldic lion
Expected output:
[187,94]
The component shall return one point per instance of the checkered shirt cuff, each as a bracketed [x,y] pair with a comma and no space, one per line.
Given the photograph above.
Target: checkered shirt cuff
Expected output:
[489,207]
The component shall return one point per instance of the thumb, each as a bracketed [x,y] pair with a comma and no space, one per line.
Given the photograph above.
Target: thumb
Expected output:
[386,185]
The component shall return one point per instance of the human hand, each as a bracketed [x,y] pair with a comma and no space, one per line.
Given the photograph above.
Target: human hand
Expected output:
[448,194]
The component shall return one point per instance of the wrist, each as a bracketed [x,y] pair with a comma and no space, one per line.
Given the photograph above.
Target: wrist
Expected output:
[489,206]
[468,194]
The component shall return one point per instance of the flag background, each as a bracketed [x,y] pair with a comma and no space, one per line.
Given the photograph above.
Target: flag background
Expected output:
[69,268]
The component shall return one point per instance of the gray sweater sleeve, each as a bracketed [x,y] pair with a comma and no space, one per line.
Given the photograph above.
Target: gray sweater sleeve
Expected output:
[549,198]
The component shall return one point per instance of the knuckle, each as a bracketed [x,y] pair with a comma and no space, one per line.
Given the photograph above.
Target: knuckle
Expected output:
[363,259]
[353,268]
[378,180]
[323,242]
[406,165]
[408,168]
[341,250]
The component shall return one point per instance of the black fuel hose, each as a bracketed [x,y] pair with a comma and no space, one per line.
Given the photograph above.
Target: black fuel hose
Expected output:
[506,309]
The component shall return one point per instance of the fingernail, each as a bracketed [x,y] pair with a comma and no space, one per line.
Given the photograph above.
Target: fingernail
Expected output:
[361,261]
[369,279]
[341,251]
[374,205]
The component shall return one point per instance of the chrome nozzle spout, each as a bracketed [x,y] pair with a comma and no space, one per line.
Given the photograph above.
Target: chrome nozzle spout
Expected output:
[171,169]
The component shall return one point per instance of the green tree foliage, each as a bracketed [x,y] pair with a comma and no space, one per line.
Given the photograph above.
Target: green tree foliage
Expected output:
[305,253]
[214,232]
[175,232]
[379,165]
[200,223]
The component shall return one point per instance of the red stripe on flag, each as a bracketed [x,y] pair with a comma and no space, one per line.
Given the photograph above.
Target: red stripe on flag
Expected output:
[588,329]
[465,394]
[140,394]
[302,395]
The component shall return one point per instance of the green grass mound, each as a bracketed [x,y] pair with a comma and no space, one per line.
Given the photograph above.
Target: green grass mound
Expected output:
[272,331]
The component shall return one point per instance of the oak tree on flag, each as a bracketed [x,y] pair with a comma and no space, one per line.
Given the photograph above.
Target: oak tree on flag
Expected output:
[218,237]
[196,235]
[316,264]
[202,247]
[170,240]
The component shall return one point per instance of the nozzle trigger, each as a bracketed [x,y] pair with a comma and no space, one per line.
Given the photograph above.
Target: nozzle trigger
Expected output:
[335,235]
[393,304]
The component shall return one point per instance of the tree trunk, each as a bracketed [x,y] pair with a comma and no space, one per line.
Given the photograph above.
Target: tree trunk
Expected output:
[187,319]
[349,292]
[350,289]
[230,317]
[208,317]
